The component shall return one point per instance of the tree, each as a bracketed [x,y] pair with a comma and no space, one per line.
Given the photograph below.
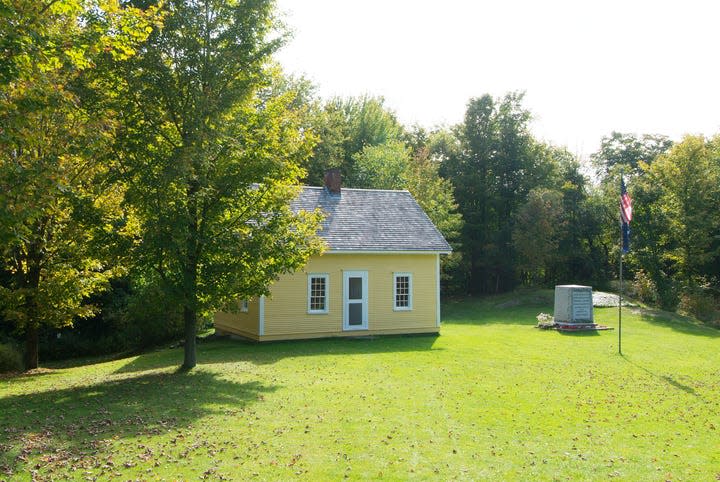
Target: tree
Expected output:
[54,156]
[435,196]
[628,151]
[688,181]
[211,158]
[344,128]
[382,166]
[537,232]
[582,249]
[493,167]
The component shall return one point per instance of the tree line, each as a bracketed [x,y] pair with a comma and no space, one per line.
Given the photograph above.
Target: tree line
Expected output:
[149,151]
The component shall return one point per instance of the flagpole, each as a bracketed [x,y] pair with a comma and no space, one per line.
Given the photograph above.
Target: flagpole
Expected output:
[625,218]
[620,300]
[622,247]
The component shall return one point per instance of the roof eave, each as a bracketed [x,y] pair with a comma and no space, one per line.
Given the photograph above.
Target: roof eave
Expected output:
[388,251]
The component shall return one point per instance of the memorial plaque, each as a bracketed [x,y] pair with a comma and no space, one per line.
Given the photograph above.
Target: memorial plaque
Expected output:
[582,305]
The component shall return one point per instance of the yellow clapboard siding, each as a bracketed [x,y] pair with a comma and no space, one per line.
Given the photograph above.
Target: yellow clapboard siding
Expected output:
[239,323]
[286,313]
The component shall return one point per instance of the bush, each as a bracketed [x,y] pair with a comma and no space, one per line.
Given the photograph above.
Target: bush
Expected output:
[699,302]
[131,318]
[644,288]
[10,358]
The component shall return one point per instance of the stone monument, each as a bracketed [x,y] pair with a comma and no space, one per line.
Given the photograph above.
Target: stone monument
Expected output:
[573,304]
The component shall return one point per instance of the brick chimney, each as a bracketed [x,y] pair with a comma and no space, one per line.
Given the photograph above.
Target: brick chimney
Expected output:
[333,181]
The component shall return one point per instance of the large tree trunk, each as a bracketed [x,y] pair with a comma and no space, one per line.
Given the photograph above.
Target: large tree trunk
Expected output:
[190,318]
[31,347]
[31,282]
[190,279]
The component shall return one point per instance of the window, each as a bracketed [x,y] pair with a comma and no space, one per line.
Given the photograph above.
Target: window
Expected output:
[317,293]
[244,306]
[402,291]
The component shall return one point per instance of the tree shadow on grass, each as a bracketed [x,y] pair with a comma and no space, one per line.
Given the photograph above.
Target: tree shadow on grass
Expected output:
[61,427]
[495,310]
[683,324]
[229,350]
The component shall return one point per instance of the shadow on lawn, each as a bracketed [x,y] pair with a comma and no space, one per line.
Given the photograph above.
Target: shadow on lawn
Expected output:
[579,333]
[679,323]
[226,350]
[666,378]
[481,312]
[75,422]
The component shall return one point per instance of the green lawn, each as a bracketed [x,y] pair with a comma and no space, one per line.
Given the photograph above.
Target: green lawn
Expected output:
[491,398]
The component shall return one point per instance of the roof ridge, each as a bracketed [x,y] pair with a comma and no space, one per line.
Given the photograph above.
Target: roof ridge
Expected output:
[359,189]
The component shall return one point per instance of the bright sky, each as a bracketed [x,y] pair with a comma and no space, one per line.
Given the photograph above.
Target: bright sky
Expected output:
[587,67]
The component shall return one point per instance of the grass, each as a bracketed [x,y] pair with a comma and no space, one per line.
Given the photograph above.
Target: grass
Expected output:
[491,398]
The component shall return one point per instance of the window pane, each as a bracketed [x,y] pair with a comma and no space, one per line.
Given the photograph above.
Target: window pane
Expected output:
[355,314]
[355,288]
[317,294]
[402,291]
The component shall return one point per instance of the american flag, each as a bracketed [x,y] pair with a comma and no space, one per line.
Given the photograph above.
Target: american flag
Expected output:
[625,203]
[625,215]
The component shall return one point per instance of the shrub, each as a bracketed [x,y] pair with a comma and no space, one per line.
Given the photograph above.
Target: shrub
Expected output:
[699,302]
[150,318]
[131,318]
[644,288]
[10,358]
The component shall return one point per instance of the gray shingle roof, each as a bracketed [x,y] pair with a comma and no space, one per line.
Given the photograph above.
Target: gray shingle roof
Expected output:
[372,220]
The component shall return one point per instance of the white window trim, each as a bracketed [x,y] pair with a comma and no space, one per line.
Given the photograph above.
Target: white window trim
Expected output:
[410,292]
[244,306]
[326,277]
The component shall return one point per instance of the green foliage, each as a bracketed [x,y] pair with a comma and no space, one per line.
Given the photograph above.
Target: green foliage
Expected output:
[55,156]
[434,194]
[212,153]
[674,232]
[493,165]
[688,178]
[345,127]
[134,316]
[149,317]
[381,166]
[628,151]
[536,235]
[697,300]
[10,358]
[644,288]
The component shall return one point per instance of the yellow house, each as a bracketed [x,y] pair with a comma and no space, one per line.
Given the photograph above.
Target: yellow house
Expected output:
[379,275]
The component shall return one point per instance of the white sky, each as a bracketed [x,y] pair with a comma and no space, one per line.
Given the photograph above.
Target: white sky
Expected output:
[588,67]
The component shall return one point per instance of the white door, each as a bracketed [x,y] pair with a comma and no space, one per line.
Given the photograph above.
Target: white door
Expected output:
[355,300]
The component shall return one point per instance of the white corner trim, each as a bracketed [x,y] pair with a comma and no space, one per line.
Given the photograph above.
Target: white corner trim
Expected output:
[261,316]
[437,290]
